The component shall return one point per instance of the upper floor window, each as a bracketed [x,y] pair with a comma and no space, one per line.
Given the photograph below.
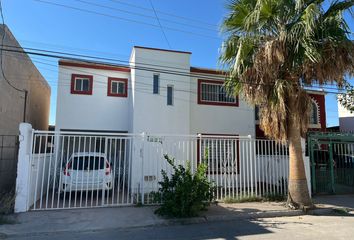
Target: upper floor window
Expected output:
[169,95]
[314,114]
[117,87]
[81,84]
[213,93]
[156,84]
[256,113]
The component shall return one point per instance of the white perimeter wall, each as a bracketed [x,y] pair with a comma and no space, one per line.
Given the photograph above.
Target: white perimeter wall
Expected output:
[92,112]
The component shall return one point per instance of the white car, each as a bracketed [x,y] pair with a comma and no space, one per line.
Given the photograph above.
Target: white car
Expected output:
[86,171]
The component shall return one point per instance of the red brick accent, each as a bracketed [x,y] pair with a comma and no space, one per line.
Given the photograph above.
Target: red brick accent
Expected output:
[109,88]
[94,66]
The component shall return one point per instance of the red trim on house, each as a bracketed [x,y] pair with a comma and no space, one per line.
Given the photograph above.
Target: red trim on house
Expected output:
[237,141]
[321,101]
[163,50]
[109,88]
[207,71]
[203,102]
[74,76]
[94,66]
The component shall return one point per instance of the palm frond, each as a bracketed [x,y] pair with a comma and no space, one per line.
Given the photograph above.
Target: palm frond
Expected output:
[273,46]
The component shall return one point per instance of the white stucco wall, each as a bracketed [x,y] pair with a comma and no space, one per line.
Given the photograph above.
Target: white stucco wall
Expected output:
[214,119]
[151,112]
[92,112]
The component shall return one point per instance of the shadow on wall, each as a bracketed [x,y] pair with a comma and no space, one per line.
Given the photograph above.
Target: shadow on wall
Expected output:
[8,162]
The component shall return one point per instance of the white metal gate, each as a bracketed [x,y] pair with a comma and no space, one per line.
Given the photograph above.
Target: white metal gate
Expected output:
[83,170]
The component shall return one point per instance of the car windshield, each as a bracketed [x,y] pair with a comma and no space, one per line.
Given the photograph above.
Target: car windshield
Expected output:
[87,163]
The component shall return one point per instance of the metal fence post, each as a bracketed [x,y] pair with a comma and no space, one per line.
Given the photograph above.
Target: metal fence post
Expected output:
[23,180]
[142,150]
[331,166]
[313,164]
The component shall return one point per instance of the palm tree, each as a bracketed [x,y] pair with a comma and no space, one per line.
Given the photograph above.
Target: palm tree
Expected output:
[273,50]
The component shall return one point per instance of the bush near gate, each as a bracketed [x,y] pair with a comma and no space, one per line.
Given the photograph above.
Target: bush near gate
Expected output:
[184,193]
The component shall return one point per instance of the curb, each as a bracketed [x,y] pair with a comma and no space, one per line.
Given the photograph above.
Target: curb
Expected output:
[241,216]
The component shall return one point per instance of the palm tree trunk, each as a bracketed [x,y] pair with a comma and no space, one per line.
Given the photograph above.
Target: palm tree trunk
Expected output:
[298,194]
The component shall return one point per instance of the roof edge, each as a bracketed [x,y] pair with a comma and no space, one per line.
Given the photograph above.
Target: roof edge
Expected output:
[92,65]
[207,71]
[163,50]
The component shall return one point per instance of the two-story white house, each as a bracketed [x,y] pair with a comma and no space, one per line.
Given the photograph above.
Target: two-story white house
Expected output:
[159,92]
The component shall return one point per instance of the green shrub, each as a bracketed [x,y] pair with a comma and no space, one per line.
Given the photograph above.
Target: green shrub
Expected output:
[242,199]
[274,197]
[184,194]
[271,197]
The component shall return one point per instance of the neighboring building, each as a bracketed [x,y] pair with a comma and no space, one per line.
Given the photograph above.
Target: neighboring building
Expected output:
[317,115]
[23,75]
[333,129]
[96,97]
[346,119]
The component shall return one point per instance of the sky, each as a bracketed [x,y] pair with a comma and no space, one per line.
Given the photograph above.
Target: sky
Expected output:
[110,28]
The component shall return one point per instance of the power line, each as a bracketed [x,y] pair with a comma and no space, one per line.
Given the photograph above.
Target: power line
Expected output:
[314,87]
[178,73]
[62,47]
[98,58]
[145,90]
[150,85]
[140,66]
[125,19]
[146,16]
[158,20]
[2,65]
[165,13]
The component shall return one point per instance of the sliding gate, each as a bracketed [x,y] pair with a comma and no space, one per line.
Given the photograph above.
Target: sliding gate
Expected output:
[80,170]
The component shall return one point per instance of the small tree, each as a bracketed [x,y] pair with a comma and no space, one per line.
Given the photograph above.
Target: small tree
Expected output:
[185,193]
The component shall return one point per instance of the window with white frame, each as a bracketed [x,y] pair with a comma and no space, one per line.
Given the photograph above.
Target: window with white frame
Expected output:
[117,87]
[214,93]
[81,84]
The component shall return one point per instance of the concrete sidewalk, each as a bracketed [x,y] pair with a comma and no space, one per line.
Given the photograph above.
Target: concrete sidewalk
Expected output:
[335,201]
[81,220]
[39,222]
